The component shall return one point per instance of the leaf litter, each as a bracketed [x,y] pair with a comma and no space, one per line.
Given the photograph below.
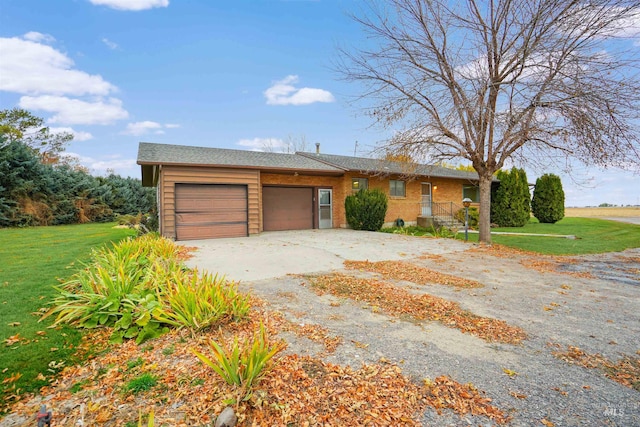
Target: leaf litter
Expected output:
[403,270]
[297,390]
[398,302]
[625,371]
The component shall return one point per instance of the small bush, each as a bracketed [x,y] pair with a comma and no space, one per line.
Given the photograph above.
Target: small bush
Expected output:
[242,364]
[474,216]
[128,220]
[548,199]
[366,209]
[199,301]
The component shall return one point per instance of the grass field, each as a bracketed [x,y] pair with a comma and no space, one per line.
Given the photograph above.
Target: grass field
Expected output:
[593,236]
[32,260]
[619,212]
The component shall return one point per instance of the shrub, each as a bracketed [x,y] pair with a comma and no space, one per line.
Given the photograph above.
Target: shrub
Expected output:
[474,216]
[511,200]
[200,301]
[366,209]
[243,364]
[548,199]
[139,288]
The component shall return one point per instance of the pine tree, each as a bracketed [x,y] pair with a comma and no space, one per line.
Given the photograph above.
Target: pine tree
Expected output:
[548,199]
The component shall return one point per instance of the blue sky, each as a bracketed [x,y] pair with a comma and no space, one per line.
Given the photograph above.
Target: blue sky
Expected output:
[239,74]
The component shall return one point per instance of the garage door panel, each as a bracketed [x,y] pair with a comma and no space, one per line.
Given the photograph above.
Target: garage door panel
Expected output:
[225,204]
[210,211]
[212,218]
[287,208]
[191,232]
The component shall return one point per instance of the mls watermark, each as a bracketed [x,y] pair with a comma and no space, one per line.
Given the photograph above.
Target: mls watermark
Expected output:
[620,409]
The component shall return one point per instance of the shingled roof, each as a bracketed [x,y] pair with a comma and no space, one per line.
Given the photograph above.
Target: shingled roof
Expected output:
[151,154]
[380,166]
[165,154]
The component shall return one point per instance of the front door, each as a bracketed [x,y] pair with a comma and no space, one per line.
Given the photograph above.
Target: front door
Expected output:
[325,211]
[426,199]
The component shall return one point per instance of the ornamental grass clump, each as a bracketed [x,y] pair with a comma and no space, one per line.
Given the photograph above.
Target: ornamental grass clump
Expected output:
[140,288]
[243,364]
[199,301]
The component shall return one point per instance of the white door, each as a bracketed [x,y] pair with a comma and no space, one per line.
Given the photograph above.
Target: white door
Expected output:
[325,208]
[426,199]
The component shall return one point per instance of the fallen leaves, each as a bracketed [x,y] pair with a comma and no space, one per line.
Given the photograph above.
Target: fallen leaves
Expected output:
[299,390]
[533,260]
[625,371]
[14,339]
[319,393]
[464,399]
[402,270]
[12,378]
[397,301]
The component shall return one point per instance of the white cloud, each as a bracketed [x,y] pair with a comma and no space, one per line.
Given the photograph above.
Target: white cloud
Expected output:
[77,135]
[33,68]
[283,92]
[140,128]
[111,45]
[147,126]
[134,5]
[74,111]
[37,37]
[124,167]
[263,144]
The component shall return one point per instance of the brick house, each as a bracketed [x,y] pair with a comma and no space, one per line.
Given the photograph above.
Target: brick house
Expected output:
[211,192]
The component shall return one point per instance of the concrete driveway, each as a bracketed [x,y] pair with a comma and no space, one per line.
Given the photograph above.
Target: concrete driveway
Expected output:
[275,254]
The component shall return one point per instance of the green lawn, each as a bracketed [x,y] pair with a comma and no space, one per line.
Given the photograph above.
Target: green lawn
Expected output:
[31,261]
[593,236]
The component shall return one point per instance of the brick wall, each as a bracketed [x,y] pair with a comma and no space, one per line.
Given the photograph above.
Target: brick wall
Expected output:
[408,208]
[290,179]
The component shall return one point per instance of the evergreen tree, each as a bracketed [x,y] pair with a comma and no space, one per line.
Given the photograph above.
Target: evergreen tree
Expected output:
[511,200]
[548,199]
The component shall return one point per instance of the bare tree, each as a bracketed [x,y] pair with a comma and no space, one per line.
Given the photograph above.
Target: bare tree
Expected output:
[488,81]
[290,145]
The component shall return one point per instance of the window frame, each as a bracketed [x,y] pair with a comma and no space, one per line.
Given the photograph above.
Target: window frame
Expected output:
[359,187]
[475,197]
[393,189]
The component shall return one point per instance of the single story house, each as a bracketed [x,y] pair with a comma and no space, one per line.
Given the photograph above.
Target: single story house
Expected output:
[211,192]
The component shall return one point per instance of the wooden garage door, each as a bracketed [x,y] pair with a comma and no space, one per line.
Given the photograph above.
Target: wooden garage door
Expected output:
[287,208]
[210,211]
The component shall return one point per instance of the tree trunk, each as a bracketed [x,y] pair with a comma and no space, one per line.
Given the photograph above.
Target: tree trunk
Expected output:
[484,221]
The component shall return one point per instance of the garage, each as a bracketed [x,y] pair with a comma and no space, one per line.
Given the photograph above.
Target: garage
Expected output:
[206,211]
[287,208]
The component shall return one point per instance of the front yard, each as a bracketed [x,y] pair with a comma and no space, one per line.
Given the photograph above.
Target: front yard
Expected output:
[440,333]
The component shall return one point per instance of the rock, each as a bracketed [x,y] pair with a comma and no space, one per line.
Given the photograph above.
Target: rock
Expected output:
[227,418]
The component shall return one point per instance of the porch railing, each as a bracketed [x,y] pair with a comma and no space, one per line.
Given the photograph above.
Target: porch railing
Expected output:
[445,213]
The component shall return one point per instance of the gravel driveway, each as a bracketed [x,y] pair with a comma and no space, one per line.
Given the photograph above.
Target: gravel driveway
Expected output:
[557,309]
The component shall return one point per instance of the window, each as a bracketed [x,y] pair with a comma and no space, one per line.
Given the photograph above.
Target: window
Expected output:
[396,188]
[472,192]
[358,184]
